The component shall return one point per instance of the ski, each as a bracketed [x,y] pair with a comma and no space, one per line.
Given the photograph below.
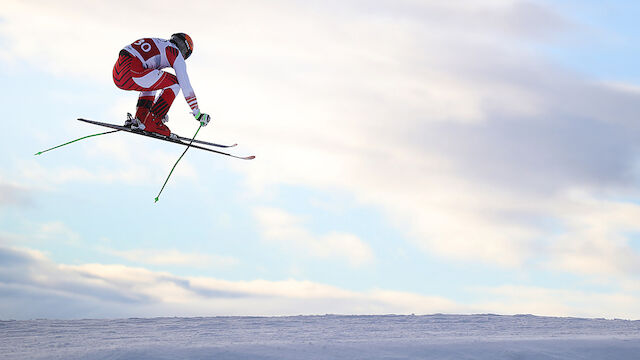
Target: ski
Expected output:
[179,140]
[124,128]
[205,142]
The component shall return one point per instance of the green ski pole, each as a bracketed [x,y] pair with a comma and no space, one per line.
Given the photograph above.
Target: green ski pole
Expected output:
[174,165]
[84,137]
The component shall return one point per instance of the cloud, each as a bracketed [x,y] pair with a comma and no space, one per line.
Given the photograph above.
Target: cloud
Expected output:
[174,257]
[286,229]
[467,141]
[29,281]
[541,301]
[29,272]
[60,20]
[598,240]
[32,286]
[56,230]
[39,233]
[15,195]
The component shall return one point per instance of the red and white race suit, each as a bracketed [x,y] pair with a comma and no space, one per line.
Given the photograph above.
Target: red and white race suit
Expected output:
[139,68]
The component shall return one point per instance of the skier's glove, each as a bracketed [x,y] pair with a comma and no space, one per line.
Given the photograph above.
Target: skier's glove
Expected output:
[202,117]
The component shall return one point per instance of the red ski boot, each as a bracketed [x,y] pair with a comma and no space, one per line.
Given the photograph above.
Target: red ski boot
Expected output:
[155,125]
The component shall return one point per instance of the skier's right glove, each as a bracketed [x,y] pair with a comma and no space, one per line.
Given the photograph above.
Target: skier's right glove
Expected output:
[202,117]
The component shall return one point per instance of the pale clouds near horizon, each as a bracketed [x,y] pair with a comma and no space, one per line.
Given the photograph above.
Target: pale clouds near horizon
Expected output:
[29,281]
[442,115]
[33,286]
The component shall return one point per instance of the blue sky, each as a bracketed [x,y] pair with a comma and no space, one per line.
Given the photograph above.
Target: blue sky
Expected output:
[605,47]
[412,157]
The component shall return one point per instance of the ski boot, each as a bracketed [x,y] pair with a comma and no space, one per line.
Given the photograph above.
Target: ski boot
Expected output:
[153,125]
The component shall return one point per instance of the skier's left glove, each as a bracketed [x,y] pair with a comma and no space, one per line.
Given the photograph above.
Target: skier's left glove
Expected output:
[202,117]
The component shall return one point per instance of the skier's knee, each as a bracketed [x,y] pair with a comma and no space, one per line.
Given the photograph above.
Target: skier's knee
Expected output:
[175,88]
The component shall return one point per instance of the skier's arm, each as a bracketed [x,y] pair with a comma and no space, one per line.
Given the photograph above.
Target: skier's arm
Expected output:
[183,79]
[178,64]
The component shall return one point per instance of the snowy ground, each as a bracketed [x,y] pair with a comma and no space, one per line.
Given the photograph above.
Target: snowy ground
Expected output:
[323,337]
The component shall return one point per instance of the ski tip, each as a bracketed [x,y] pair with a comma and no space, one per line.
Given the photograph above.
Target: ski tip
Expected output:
[233,145]
[249,157]
[38,153]
[157,198]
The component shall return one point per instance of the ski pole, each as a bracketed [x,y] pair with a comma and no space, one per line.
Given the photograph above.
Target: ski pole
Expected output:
[84,137]
[174,165]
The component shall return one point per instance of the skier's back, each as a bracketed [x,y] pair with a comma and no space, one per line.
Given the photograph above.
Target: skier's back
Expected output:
[139,68]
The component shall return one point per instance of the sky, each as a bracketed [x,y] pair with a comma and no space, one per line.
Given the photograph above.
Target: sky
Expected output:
[411,157]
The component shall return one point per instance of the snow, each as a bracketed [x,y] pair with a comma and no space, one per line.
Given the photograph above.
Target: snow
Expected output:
[323,337]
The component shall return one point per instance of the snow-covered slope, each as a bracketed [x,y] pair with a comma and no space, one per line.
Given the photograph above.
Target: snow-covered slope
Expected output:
[323,337]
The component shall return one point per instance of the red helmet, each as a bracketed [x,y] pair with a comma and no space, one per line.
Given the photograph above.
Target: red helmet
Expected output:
[184,43]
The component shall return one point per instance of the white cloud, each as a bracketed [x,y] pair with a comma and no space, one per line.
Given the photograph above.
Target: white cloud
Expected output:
[31,286]
[59,29]
[14,194]
[511,299]
[42,232]
[284,228]
[175,257]
[28,279]
[469,142]
[598,240]
[56,230]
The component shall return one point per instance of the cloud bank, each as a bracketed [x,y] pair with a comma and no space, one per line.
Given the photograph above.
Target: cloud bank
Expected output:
[33,286]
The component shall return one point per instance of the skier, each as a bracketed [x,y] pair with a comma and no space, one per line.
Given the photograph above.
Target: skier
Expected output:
[138,68]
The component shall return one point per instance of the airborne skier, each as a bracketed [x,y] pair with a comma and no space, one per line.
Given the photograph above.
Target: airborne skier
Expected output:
[139,69]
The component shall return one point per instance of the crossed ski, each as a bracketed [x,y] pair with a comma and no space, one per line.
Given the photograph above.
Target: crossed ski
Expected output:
[187,142]
[178,140]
